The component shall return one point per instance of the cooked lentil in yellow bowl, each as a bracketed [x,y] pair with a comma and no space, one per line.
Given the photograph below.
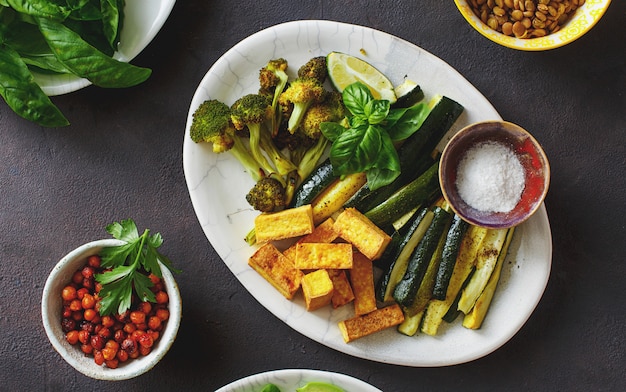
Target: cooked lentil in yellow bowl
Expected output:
[532,25]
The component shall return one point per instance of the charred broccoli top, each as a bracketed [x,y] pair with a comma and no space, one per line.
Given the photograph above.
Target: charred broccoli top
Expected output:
[297,98]
[314,68]
[273,80]
[329,110]
[211,123]
[267,195]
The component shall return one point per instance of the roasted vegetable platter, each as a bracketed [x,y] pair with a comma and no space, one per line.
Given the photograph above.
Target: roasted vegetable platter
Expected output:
[217,185]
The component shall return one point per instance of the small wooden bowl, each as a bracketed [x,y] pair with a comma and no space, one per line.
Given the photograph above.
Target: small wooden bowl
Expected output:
[530,154]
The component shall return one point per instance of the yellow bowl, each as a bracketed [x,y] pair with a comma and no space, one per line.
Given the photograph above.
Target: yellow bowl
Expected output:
[582,20]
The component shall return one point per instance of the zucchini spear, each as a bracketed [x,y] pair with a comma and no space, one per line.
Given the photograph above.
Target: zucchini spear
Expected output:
[449,255]
[486,261]
[425,290]
[406,289]
[437,309]
[415,194]
[474,319]
[413,236]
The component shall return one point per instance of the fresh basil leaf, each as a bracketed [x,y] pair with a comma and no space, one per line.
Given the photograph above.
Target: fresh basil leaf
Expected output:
[355,150]
[23,37]
[85,10]
[376,110]
[387,165]
[45,64]
[402,123]
[77,4]
[331,130]
[90,31]
[110,21]
[378,178]
[270,388]
[40,8]
[355,96]
[23,95]
[86,61]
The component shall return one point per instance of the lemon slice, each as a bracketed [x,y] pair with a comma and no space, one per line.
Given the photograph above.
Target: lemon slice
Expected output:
[345,69]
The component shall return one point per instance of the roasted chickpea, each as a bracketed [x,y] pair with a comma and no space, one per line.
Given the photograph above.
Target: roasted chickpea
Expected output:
[110,339]
[93,261]
[137,317]
[68,293]
[162,297]
[72,337]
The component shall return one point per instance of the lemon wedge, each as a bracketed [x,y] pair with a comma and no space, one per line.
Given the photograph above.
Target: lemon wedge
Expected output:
[345,69]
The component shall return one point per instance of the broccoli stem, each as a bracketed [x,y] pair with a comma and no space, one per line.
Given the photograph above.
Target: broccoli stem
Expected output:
[299,109]
[283,165]
[311,157]
[276,108]
[249,163]
[293,180]
[255,147]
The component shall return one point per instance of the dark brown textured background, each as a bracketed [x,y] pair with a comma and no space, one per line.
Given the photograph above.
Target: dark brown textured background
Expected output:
[122,157]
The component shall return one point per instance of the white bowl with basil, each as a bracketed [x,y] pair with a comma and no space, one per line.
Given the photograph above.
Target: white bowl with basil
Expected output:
[53,50]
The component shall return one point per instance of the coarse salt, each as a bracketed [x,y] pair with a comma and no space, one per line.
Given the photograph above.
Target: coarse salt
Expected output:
[490,177]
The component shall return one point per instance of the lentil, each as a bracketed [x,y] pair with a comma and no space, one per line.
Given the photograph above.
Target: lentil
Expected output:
[525,18]
[111,340]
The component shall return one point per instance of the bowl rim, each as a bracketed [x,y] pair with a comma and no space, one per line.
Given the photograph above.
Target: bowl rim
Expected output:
[51,310]
[463,132]
[575,28]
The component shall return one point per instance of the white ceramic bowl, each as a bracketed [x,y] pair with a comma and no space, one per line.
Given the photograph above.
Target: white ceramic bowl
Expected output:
[51,308]
[582,20]
[142,21]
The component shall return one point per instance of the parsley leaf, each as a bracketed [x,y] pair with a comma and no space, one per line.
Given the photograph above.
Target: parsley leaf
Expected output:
[128,266]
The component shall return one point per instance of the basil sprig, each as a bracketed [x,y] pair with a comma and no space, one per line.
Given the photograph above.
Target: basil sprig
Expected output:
[76,37]
[367,144]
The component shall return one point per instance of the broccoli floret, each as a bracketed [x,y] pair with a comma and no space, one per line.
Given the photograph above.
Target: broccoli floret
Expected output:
[211,123]
[254,112]
[329,110]
[267,195]
[273,80]
[297,98]
[314,68]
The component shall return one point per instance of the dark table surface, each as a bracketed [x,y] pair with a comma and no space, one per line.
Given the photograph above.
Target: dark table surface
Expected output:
[122,157]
